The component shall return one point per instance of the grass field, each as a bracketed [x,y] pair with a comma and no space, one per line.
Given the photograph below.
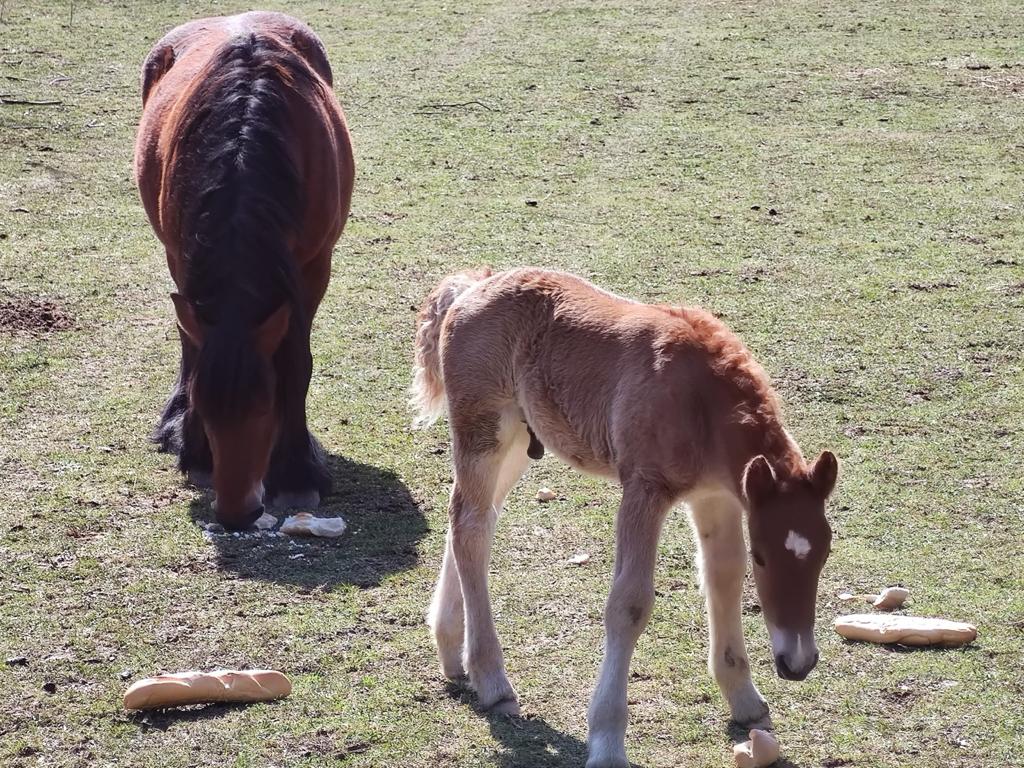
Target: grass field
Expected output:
[841,181]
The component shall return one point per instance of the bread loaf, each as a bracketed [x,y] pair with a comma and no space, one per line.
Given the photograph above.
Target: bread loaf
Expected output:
[762,750]
[906,630]
[206,687]
[891,598]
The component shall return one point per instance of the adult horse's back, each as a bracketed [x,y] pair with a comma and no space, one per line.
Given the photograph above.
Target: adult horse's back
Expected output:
[245,168]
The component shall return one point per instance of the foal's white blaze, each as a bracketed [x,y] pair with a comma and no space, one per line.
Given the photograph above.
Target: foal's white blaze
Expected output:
[798,545]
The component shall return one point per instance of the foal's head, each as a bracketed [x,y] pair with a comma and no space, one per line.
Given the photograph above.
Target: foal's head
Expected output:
[233,390]
[790,539]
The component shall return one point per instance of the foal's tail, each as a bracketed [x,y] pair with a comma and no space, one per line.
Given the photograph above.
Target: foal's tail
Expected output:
[426,395]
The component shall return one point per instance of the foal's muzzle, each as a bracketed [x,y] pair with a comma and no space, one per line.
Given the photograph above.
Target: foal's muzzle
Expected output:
[787,672]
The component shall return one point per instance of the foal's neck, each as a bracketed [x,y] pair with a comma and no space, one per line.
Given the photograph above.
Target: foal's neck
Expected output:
[761,433]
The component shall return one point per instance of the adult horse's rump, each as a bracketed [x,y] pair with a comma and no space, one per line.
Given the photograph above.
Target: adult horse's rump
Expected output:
[245,168]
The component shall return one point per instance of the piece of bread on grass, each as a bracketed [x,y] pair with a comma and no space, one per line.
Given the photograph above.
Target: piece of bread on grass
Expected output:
[761,750]
[905,630]
[223,685]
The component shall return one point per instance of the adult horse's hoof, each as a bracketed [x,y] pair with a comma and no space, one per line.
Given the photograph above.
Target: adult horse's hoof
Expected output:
[200,479]
[296,500]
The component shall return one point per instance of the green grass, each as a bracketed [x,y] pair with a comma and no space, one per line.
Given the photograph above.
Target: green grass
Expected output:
[885,295]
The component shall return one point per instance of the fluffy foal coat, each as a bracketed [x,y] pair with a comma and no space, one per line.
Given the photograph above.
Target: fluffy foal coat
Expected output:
[665,400]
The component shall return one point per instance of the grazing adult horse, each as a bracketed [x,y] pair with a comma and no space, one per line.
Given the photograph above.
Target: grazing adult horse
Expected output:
[245,168]
[665,400]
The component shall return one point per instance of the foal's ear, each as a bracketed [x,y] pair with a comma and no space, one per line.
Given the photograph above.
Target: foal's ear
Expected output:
[271,332]
[187,319]
[824,472]
[759,480]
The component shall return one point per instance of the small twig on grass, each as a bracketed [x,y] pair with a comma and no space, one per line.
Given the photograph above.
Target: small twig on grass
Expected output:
[435,108]
[7,99]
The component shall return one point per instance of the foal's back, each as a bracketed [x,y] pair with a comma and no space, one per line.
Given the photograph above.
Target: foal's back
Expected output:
[610,385]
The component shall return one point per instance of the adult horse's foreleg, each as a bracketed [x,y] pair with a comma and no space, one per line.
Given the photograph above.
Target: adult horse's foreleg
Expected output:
[446,617]
[179,430]
[626,614]
[717,521]
[298,475]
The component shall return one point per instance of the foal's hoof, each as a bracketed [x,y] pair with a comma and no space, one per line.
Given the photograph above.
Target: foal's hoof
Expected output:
[296,500]
[762,722]
[495,695]
[505,707]
[606,756]
[749,708]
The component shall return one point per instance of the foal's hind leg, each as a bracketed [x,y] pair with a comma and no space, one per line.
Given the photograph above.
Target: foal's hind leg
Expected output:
[481,442]
[179,430]
[627,611]
[717,520]
[298,475]
[447,611]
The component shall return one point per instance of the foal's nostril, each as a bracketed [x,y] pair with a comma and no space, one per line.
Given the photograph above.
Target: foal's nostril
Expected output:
[782,667]
[788,673]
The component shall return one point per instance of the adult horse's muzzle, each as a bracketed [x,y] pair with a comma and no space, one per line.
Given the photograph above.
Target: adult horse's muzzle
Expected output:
[238,518]
[244,522]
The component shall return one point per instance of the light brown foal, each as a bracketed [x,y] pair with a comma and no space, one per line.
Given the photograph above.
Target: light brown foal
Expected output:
[665,400]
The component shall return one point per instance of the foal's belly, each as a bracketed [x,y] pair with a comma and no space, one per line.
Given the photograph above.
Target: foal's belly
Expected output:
[559,437]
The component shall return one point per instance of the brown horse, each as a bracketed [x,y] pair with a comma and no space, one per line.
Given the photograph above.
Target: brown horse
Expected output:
[668,402]
[245,168]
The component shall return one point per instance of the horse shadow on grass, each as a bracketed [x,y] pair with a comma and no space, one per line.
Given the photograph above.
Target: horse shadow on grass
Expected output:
[385,525]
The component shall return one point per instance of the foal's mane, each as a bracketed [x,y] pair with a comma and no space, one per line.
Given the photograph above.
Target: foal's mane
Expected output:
[242,209]
[732,362]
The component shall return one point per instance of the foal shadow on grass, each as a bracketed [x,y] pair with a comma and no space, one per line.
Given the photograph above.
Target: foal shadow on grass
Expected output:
[385,525]
[527,742]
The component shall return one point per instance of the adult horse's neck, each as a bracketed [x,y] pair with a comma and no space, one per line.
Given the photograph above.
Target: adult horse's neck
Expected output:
[245,198]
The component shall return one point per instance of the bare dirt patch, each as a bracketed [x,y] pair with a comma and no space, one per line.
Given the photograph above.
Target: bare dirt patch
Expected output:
[23,314]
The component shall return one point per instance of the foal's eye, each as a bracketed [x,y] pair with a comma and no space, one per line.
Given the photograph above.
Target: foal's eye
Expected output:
[757,559]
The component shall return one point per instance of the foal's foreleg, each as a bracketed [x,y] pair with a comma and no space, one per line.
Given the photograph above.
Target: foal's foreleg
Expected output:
[717,521]
[626,614]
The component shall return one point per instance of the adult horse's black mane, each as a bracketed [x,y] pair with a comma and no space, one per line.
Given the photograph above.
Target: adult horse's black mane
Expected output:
[242,209]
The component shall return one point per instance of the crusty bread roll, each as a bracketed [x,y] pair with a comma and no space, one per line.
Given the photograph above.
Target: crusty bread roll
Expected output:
[891,598]
[762,750]
[906,630]
[206,687]
[306,524]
